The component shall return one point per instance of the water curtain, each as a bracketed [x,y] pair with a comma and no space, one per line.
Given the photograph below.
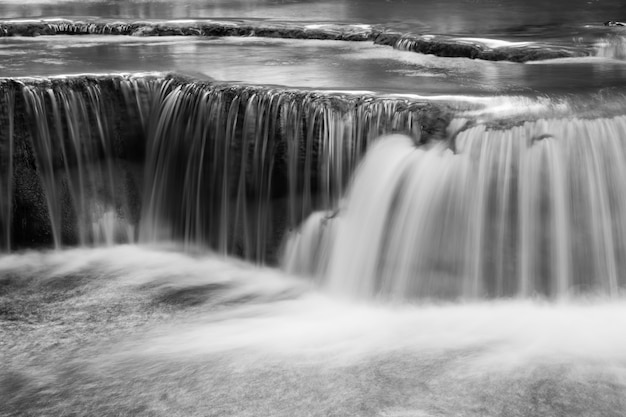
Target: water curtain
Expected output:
[153,159]
[534,209]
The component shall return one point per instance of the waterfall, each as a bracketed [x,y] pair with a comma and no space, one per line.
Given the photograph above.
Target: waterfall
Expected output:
[6,170]
[478,206]
[66,161]
[152,159]
[534,209]
[228,165]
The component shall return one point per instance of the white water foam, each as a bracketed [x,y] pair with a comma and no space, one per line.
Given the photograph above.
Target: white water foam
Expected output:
[494,336]
[535,208]
[497,336]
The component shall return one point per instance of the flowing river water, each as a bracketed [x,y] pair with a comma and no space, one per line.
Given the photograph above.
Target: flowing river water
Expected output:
[277,225]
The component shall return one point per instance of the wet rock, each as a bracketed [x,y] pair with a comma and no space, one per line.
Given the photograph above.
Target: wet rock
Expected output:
[145,31]
[449,47]
[427,44]
[385,38]
[614,23]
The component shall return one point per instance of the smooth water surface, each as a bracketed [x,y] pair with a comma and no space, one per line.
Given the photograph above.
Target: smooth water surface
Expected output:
[305,63]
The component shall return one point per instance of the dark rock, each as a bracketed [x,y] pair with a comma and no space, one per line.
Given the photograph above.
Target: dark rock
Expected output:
[614,23]
[449,47]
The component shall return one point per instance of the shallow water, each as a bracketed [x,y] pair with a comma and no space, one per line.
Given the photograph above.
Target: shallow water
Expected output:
[306,63]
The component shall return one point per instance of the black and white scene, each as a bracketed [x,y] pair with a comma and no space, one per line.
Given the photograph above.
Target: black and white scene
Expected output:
[285,208]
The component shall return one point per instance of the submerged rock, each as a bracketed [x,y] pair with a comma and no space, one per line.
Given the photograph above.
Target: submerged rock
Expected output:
[450,47]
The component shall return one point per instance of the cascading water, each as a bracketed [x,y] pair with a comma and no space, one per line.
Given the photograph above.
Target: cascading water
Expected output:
[227,162]
[457,177]
[225,166]
[534,209]
[6,172]
[67,175]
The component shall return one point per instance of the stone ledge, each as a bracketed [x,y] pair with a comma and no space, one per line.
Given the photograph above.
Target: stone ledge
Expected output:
[439,45]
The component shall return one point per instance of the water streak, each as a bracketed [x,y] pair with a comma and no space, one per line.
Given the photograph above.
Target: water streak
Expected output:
[534,207]
[537,208]
[69,159]
[226,166]
[232,166]
[6,171]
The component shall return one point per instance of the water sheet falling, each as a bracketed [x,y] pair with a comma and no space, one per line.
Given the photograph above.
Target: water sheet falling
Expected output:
[538,208]
[65,161]
[101,160]
[235,166]
[533,208]
[6,170]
